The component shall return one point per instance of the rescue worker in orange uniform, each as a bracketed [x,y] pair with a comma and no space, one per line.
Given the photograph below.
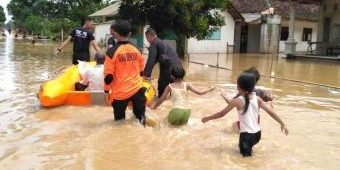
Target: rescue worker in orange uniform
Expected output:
[123,67]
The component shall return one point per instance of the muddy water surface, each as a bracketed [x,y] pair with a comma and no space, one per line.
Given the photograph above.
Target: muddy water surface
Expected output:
[71,137]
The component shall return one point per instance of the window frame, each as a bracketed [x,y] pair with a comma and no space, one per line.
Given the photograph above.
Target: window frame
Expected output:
[216,35]
[307,34]
[286,31]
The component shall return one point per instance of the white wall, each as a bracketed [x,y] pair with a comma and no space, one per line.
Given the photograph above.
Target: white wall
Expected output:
[214,46]
[301,46]
[101,32]
[146,44]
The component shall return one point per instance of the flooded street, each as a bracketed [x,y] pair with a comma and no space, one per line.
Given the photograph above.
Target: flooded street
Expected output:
[307,98]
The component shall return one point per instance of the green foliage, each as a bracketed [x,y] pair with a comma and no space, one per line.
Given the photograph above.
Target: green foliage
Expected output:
[50,16]
[192,18]
[186,18]
[2,15]
[35,24]
[10,24]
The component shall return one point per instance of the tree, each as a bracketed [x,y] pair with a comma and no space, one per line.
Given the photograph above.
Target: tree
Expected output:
[74,10]
[45,14]
[35,24]
[10,24]
[2,15]
[185,18]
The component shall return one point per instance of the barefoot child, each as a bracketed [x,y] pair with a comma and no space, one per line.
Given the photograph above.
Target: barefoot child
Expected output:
[247,104]
[180,112]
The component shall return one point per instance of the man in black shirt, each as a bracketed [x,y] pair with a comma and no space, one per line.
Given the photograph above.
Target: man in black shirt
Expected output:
[82,38]
[111,41]
[156,49]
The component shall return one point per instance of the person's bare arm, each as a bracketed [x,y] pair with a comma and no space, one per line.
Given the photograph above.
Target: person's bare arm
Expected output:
[273,115]
[95,45]
[224,96]
[162,98]
[68,39]
[197,91]
[223,112]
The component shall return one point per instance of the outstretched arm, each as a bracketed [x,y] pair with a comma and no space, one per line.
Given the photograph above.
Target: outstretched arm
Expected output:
[162,98]
[221,113]
[63,44]
[95,45]
[273,115]
[226,99]
[197,91]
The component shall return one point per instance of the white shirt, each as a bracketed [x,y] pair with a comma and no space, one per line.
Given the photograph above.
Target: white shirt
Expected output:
[249,120]
[94,77]
[179,97]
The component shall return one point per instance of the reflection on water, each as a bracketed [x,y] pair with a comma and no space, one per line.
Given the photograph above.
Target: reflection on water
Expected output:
[72,137]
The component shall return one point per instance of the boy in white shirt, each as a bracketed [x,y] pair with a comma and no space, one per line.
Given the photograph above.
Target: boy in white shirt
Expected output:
[93,78]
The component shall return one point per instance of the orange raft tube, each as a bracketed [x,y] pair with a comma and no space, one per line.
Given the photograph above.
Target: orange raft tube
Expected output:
[60,91]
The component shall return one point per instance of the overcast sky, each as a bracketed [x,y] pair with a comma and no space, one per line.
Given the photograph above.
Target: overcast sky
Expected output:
[4,3]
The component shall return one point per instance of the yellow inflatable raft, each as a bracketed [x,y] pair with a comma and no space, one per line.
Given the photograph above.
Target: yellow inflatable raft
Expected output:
[60,91]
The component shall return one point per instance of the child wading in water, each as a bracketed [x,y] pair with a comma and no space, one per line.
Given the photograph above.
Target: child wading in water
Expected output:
[264,95]
[180,112]
[248,105]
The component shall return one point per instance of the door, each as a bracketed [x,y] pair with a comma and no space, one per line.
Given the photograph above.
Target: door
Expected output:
[244,39]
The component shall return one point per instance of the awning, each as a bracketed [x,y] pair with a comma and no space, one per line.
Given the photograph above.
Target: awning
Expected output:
[252,18]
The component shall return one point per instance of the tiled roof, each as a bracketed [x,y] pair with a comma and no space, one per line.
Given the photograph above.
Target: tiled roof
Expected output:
[306,9]
[235,13]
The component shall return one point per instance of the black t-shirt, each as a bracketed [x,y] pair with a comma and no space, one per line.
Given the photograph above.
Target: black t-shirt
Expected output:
[111,41]
[81,40]
[158,47]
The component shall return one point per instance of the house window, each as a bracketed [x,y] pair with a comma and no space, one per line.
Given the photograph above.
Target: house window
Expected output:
[284,33]
[215,36]
[307,34]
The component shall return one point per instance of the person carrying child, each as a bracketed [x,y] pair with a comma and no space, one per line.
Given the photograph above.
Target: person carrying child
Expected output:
[247,104]
[180,112]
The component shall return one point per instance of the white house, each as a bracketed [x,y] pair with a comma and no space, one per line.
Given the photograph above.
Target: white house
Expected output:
[102,30]
[222,41]
[265,31]
[329,26]
[304,32]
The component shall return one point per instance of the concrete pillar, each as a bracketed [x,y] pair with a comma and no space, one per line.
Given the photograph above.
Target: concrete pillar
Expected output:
[290,44]
[320,51]
[270,29]
[237,38]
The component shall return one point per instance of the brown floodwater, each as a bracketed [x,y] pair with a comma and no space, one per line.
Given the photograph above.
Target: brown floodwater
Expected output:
[71,137]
